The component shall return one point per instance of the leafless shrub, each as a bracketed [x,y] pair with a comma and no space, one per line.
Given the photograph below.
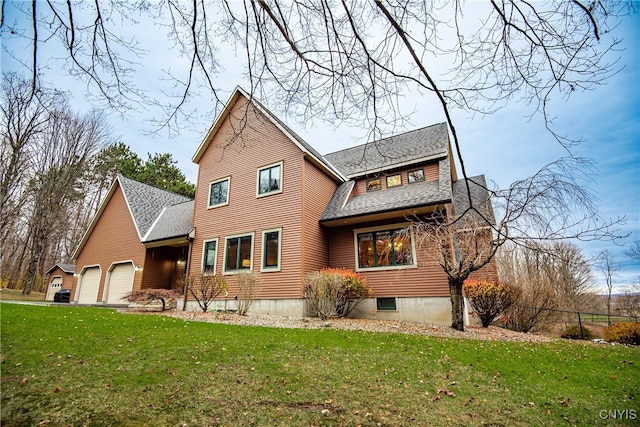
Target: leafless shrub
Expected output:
[205,288]
[628,303]
[522,268]
[248,283]
[334,292]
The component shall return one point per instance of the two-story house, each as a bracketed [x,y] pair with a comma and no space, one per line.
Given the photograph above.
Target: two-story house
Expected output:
[268,202]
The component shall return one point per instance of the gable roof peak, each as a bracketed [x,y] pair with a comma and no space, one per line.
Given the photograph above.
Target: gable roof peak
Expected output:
[146,202]
[313,155]
[67,268]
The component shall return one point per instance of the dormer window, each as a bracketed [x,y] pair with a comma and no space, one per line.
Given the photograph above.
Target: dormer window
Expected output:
[374,184]
[415,176]
[394,180]
[270,180]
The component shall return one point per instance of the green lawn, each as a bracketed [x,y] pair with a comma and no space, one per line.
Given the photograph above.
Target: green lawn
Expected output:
[91,366]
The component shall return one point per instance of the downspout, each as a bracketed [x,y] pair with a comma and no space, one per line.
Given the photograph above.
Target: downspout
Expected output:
[186,272]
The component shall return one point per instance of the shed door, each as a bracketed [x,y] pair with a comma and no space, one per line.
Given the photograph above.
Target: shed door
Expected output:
[54,286]
[120,283]
[89,282]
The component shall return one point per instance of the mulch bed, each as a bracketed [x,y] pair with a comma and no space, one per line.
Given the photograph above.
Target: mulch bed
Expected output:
[492,333]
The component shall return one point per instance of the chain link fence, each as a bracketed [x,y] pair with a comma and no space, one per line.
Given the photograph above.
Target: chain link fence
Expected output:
[554,320]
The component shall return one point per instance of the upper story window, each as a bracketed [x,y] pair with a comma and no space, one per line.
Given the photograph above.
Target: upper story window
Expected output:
[374,184]
[209,254]
[415,176]
[270,179]
[394,180]
[384,248]
[219,192]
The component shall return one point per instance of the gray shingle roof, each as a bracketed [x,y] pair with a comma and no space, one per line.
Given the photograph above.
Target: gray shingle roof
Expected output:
[147,202]
[480,197]
[67,268]
[427,144]
[398,198]
[395,151]
[174,221]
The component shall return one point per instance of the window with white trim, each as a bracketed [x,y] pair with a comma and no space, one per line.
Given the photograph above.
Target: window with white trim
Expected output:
[238,253]
[271,249]
[384,248]
[219,192]
[270,179]
[209,255]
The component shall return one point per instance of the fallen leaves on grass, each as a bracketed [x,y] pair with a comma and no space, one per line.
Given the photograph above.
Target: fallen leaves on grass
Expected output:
[442,391]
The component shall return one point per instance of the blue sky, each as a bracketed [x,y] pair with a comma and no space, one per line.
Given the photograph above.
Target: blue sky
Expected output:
[505,146]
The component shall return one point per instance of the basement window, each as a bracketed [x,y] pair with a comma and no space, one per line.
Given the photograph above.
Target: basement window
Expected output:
[386,304]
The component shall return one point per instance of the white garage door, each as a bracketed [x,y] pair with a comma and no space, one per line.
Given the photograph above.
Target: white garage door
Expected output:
[54,286]
[89,282]
[120,283]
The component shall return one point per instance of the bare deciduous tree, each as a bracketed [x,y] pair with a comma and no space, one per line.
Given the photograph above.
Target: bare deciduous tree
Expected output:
[548,207]
[609,268]
[628,304]
[25,116]
[348,60]
[47,149]
[633,252]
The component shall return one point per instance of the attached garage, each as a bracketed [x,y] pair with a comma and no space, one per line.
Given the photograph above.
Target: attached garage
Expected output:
[89,283]
[119,282]
[54,286]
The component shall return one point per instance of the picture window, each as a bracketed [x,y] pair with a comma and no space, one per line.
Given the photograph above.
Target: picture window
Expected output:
[384,248]
[238,253]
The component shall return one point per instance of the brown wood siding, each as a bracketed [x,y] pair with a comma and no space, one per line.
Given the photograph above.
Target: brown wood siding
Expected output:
[488,272]
[67,278]
[161,269]
[428,279]
[431,171]
[318,190]
[114,239]
[261,144]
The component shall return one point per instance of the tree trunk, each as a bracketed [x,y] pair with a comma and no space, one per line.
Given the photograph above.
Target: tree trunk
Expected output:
[457,303]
